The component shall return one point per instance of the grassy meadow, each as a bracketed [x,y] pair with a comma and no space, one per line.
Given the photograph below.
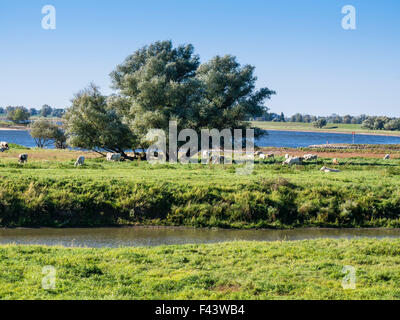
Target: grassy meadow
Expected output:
[50,191]
[330,127]
[309,269]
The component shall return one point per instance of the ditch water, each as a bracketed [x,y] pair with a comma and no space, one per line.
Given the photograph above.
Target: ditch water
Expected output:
[154,236]
[289,139]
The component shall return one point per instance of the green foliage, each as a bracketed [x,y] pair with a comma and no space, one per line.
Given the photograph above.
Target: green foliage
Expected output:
[100,193]
[17,146]
[262,270]
[18,114]
[45,132]
[320,123]
[92,124]
[381,123]
[46,110]
[229,94]
[160,83]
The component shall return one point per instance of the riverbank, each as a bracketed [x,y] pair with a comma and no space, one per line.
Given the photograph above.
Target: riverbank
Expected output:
[53,193]
[329,128]
[237,270]
[13,127]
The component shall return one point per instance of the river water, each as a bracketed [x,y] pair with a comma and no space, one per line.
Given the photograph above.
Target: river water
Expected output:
[153,236]
[289,139]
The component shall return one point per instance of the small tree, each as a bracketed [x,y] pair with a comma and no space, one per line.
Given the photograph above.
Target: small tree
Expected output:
[368,123]
[44,132]
[57,113]
[18,114]
[92,124]
[320,123]
[59,138]
[46,110]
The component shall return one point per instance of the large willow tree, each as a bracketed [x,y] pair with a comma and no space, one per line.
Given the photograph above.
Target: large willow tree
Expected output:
[161,83]
[164,83]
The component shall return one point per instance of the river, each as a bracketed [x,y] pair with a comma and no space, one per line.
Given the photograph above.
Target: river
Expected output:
[289,139]
[153,236]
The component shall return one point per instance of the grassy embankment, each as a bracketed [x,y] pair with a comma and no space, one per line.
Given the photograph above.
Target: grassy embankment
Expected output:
[330,127]
[55,193]
[238,270]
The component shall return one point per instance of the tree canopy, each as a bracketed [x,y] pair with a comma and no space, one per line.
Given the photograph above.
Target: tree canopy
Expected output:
[92,124]
[320,123]
[17,114]
[160,83]
[44,132]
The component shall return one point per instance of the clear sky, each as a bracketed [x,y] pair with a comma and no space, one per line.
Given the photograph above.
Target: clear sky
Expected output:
[298,47]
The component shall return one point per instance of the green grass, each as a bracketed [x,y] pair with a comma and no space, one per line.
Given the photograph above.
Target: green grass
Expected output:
[55,193]
[238,270]
[330,127]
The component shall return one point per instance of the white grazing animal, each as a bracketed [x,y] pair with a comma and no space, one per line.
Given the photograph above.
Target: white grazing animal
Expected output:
[80,161]
[325,169]
[113,156]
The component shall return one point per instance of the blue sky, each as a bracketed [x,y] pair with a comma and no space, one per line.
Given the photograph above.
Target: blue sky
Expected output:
[298,48]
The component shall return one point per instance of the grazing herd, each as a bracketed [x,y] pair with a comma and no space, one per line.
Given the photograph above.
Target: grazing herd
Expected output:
[214,159]
[109,156]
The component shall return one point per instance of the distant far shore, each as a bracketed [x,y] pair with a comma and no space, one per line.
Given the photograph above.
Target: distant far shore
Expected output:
[329,128]
[13,128]
[284,127]
[340,132]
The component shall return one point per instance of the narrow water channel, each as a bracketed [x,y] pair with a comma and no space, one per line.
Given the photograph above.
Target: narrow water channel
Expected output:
[153,236]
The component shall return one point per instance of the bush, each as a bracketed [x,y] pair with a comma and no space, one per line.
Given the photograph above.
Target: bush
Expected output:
[320,123]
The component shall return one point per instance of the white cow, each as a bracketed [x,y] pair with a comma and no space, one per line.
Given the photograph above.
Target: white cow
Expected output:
[113,156]
[206,154]
[263,156]
[293,160]
[310,157]
[23,157]
[386,157]
[80,161]
[325,169]
[216,159]
[3,146]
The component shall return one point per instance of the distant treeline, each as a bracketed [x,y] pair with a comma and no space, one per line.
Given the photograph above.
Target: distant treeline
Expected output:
[367,122]
[307,118]
[20,114]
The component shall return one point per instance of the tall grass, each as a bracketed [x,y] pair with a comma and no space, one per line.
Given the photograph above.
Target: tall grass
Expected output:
[238,270]
[51,193]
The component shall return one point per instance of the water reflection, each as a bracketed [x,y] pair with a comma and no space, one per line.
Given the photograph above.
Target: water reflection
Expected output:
[153,236]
